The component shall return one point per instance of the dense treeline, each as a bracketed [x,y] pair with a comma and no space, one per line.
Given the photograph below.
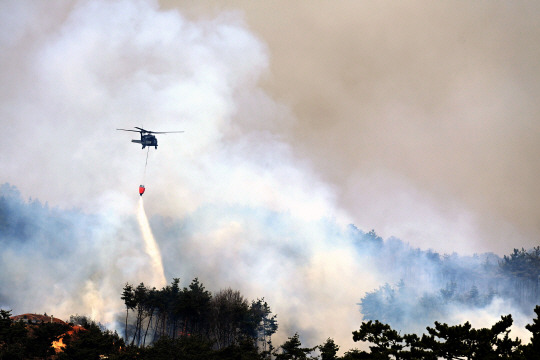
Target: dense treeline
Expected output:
[522,269]
[448,342]
[429,286]
[224,319]
[19,341]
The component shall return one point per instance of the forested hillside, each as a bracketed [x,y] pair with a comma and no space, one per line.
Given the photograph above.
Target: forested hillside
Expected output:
[428,285]
[60,253]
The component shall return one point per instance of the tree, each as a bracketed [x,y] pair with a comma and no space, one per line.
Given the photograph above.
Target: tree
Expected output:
[266,324]
[386,340]
[13,337]
[194,308]
[522,267]
[328,350]
[356,354]
[183,348]
[532,350]
[244,350]
[498,337]
[455,340]
[41,338]
[91,343]
[230,318]
[150,306]
[462,341]
[140,296]
[128,295]
[292,349]
[417,348]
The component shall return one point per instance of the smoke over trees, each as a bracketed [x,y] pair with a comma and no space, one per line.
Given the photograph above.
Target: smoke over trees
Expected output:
[422,287]
[448,342]
[429,285]
[417,286]
[225,319]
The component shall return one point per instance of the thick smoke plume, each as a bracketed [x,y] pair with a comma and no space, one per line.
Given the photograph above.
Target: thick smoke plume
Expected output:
[422,115]
[229,200]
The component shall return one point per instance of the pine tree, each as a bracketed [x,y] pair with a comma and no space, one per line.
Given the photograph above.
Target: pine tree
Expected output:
[532,350]
[386,340]
[292,350]
[328,350]
[128,296]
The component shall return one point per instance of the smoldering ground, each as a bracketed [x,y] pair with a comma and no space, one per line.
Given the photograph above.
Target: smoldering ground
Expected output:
[263,212]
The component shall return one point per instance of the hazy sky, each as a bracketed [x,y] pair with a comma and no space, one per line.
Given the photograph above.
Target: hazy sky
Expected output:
[416,119]
[422,116]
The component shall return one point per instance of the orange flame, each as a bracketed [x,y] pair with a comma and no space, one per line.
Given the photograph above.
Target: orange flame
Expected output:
[59,345]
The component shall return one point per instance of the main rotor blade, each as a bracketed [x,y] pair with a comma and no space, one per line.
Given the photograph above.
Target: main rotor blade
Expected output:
[129,130]
[165,132]
[141,129]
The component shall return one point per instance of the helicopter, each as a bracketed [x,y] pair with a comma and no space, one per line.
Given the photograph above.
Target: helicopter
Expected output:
[147,137]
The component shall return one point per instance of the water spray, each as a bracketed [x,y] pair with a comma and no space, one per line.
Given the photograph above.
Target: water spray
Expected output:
[151,247]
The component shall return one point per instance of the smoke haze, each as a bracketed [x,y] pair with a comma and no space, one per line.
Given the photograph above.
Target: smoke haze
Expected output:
[421,115]
[418,121]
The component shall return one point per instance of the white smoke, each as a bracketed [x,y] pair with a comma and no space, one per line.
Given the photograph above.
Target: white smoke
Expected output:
[253,216]
[72,77]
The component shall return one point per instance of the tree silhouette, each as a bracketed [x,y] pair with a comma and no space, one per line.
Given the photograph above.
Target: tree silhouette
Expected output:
[291,349]
[532,350]
[442,341]
[386,340]
[328,350]
[13,337]
[266,324]
[230,318]
[128,296]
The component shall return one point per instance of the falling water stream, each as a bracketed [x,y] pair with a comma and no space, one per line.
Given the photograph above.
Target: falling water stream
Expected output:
[151,247]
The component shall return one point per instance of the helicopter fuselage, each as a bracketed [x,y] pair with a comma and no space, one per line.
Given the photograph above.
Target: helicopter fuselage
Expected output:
[147,140]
